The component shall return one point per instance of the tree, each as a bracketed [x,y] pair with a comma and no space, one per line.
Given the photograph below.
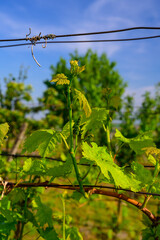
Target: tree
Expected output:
[128,127]
[149,113]
[21,205]
[146,113]
[99,74]
[13,107]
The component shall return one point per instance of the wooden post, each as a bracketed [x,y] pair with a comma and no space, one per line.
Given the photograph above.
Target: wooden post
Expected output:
[18,140]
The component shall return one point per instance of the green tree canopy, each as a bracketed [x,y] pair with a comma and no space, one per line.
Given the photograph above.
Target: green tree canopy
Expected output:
[99,74]
[14,101]
[149,113]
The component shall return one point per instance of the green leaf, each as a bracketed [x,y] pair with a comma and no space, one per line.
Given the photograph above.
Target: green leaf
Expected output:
[115,101]
[27,165]
[7,214]
[142,174]
[93,152]
[38,167]
[83,102]
[49,234]
[42,140]
[95,120]
[146,221]
[73,234]
[4,127]
[109,169]
[62,170]
[5,209]
[152,153]
[120,137]
[138,143]
[44,213]
[75,69]
[31,218]
[152,160]
[17,195]
[5,203]
[156,188]
[66,129]
[148,233]
[158,231]
[60,79]
[6,227]
[34,167]
[76,195]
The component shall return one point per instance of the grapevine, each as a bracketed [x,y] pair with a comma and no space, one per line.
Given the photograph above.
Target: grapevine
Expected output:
[21,203]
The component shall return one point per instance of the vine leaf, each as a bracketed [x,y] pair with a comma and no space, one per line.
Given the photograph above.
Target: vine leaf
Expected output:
[44,216]
[17,195]
[5,209]
[75,69]
[115,102]
[119,136]
[60,171]
[83,102]
[49,233]
[42,140]
[158,231]
[34,167]
[108,168]
[4,127]
[151,159]
[156,189]
[94,121]
[44,213]
[60,79]
[5,228]
[138,143]
[66,129]
[8,218]
[142,174]
[150,234]
[37,167]
[73,234]
[155,152]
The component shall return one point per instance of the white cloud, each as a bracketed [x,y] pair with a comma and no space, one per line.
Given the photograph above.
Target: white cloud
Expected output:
[96,6]
[93,19]
[8,22]
[15,28]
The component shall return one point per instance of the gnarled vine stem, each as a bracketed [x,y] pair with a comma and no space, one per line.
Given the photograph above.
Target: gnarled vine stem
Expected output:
[127,199]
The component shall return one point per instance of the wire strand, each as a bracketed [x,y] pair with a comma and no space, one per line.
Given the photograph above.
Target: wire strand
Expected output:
[53,159]
[83,34]
[85,41]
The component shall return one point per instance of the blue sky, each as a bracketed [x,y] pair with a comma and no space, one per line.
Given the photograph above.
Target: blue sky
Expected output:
[137,62]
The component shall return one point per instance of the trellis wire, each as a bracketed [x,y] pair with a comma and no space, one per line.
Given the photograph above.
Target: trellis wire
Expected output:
[45,184]
[51,36]
[51,158]
[84,41]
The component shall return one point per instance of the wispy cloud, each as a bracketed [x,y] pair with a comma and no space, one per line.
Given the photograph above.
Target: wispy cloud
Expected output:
[93,18]
[8,24]
[15,28]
